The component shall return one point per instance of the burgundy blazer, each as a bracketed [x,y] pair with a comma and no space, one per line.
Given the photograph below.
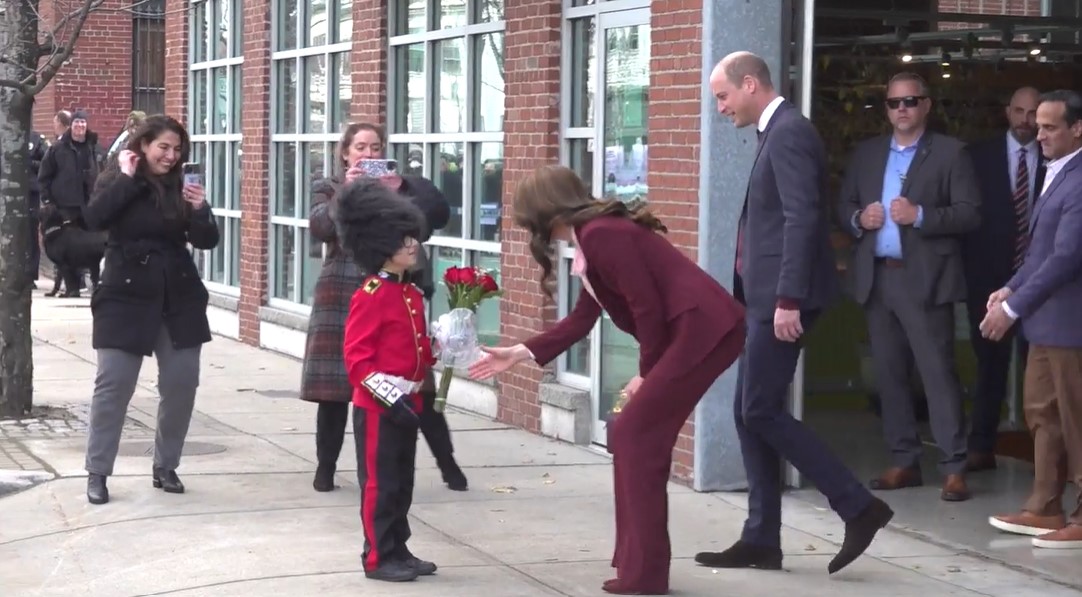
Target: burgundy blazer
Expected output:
[643,282]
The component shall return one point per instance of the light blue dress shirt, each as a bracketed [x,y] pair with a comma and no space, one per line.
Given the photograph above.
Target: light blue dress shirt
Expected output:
[888,241]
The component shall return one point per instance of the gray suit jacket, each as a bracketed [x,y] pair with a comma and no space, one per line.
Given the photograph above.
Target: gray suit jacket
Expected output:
[786,251]
[1047,289]
[941,179]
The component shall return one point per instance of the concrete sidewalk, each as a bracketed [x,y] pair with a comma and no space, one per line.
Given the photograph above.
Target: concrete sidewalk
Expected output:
[536,521]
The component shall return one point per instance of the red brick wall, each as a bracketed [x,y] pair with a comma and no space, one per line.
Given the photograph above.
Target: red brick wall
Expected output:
[176,59]
[255,128]
[531,138]
[368,61]
[97,77]
[676,91]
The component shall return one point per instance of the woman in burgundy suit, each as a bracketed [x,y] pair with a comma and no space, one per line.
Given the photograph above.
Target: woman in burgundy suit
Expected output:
[689,330]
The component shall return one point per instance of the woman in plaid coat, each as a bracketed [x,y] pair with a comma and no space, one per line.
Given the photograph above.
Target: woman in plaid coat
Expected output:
[323,377]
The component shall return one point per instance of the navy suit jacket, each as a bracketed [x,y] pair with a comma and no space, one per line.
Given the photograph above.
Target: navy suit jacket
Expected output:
[1047,289]
[786,251]
[643,282]
[989,250]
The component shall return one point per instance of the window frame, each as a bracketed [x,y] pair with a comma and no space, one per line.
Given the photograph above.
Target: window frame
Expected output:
[233,62]
[569,135]
[298,223]
[472,248]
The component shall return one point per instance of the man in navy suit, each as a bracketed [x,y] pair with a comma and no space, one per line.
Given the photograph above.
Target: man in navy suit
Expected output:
[785,275]
[1046,294]
[1012,175]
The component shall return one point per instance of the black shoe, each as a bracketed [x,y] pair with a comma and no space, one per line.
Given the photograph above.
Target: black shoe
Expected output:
[96,491]
[168,481]
[742,555]
[859,533]
[454,478]
[393,571]
[423,568]
[324,479]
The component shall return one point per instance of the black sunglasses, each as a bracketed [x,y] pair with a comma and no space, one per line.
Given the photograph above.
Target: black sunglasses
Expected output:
[910,101]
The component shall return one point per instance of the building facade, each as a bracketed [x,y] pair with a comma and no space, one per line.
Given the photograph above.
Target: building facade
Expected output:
[474,95]
[117,67]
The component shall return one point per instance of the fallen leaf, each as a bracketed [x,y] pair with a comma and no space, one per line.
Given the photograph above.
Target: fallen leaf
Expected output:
[504,489]
[953,569]
[809,547]
[549,481]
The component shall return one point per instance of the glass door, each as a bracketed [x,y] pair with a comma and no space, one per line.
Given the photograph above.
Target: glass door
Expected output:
[623,43]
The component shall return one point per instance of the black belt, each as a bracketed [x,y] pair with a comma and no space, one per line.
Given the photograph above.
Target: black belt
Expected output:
[889,262]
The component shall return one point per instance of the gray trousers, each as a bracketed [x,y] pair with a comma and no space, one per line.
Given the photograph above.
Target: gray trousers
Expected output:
[118,372]
[899,323]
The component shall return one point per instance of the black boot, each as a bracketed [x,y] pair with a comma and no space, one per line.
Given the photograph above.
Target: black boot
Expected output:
[324,480]
[96,491]
[393,571]
[168,481]
[423,567]
[454,477]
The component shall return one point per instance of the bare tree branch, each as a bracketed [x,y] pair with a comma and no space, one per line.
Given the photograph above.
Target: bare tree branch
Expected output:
[61,54]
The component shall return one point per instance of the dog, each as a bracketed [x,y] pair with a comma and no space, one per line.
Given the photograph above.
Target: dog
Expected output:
[71,248]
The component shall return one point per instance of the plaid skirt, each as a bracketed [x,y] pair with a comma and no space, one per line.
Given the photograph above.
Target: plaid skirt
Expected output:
[323,374]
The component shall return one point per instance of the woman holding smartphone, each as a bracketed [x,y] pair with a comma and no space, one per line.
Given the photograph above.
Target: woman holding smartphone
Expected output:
[151,299]
[324,379]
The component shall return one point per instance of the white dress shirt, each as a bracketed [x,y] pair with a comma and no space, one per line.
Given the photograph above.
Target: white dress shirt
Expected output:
[768,112]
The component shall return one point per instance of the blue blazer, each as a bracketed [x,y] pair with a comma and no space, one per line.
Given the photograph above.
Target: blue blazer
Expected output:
[1047,289]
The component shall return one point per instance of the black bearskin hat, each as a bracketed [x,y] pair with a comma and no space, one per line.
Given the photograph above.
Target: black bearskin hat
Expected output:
[373,222]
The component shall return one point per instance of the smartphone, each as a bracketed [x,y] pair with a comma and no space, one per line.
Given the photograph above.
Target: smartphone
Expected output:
[193,173]
[376,168]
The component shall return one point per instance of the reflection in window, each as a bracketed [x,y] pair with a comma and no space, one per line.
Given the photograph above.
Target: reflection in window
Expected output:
[490,107]
[627,79]
[214,106]
[447,174]
[451,82]
[488,190]
[313,96]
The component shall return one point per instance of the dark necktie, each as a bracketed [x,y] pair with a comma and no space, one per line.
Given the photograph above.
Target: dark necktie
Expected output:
[1021,209]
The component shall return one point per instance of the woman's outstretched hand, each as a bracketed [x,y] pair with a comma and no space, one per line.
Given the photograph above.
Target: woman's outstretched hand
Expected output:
[497,359]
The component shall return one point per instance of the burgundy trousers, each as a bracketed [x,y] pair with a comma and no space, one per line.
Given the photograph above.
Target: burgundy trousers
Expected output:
[642,438]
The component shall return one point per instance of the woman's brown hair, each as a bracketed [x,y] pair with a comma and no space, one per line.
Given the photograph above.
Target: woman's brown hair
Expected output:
[554,195]
[350,132]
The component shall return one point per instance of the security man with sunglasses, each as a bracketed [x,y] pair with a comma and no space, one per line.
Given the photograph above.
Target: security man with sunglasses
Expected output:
[908,199]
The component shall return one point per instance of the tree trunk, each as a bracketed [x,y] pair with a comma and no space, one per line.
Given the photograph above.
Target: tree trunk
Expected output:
[18,34]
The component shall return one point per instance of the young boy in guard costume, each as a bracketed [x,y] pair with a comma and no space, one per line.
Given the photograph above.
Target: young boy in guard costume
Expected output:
[387,352]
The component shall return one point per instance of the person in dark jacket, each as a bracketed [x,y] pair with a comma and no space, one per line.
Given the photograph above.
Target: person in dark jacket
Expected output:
[323,377]
[67,174]
[151,300]
[36,152]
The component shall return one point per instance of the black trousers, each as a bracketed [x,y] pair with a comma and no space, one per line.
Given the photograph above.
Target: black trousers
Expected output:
[386,461]
[331,419]
[993,365]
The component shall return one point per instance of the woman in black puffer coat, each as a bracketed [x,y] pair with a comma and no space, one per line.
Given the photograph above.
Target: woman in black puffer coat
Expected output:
[151,299]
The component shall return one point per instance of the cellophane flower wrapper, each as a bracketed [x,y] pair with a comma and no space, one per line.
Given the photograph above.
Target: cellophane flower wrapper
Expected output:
[457,345]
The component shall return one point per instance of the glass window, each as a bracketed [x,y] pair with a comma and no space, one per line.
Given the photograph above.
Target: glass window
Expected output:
[583,86]
[578,357]
[448,80]
[214,116]
[489,107]
[488,313]
[311,102]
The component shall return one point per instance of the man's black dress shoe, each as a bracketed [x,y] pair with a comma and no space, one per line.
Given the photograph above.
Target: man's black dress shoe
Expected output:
[742,555]
[423,568]
[168,481]
[393,571]
[96,491]
[859,533]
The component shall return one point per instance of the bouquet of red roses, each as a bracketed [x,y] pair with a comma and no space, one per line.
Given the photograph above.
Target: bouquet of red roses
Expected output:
[455,332]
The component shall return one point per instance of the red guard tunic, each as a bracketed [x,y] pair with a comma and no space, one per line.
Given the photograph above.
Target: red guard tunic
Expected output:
[386,333]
